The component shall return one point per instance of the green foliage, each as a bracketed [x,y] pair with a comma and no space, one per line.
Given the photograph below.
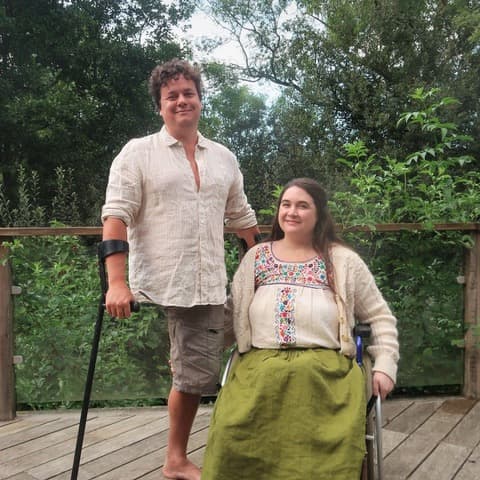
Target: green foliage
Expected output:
[73,100]
[29,210]
[435,184]
[54,323]
[65,202]
[417,271]
[237,118]
[55,318]
[267,214]
[231,255]
[345,69]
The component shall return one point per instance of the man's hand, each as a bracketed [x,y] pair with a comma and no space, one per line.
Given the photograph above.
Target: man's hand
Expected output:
[250,235]
[117,300]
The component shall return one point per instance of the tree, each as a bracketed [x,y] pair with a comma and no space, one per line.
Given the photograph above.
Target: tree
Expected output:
[73,86]
[237,118]
[351,64]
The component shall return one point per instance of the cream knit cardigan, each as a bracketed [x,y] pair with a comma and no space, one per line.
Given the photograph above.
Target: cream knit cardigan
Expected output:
[358,299]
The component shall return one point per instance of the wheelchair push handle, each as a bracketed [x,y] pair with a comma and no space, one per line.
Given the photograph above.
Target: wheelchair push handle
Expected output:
[360,332]
[243,243]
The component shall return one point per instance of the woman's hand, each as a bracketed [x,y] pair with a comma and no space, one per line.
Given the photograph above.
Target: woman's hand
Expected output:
[382,385]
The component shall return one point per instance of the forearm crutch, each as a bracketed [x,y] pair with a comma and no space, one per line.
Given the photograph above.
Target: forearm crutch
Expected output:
[105,249]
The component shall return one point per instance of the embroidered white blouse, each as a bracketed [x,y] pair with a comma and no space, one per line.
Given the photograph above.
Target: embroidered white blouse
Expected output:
[293,305]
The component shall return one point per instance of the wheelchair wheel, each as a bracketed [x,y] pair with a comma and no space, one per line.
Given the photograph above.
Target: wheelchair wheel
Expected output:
[232,358]
[373,463]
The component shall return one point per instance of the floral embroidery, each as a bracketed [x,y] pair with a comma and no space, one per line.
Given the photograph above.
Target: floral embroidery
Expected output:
[284,316]
[269,270]
[288,275]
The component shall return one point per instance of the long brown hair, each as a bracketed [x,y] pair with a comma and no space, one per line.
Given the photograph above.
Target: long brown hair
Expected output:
[324,234]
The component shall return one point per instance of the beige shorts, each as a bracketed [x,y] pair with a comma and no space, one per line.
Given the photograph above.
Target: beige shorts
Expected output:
[196,347]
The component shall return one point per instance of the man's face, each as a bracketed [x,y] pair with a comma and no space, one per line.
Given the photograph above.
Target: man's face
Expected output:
[180,104]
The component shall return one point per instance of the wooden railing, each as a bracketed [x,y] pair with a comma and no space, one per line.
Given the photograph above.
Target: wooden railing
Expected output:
[471,385]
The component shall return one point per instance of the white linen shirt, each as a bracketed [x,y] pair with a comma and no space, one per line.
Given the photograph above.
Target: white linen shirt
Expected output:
[176,232]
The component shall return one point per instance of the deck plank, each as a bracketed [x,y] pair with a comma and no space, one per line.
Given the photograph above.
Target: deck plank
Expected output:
[433,424]
[64,462]
[423,438]
[22,423]
[99,458]
[36,431]
[99,461]
[471,468]
[391,410]
[55,438]
[413,416]
[153,461]
[43,451]
[467,432]
[443,463]
[391,440]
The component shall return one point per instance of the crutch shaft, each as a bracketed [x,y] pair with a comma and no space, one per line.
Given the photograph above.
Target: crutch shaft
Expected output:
[88,391]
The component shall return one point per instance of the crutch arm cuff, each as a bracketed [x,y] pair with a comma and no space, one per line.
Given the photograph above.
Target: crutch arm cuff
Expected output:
[109,247]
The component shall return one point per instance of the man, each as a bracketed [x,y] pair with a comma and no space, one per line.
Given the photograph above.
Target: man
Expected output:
[170,194]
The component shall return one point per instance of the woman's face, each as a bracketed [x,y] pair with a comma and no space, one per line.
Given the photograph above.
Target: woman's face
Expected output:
[297,214]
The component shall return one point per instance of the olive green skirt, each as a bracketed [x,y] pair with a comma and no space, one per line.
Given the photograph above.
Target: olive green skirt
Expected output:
[288,414]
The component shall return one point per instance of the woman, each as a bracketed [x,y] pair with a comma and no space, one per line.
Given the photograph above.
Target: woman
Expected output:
[294,405]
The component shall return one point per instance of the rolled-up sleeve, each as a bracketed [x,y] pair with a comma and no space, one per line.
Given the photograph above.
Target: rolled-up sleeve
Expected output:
[123,196]
[238,212]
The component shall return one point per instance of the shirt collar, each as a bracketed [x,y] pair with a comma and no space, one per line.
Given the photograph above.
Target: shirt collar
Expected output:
[169,140]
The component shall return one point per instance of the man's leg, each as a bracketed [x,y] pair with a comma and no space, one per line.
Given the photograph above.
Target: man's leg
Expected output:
[196,345]
[182,408]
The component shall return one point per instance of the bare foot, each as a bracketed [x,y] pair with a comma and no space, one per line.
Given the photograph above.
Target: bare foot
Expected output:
[185,470]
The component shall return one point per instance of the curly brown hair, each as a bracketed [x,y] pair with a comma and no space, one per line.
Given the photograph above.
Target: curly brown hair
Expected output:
[162,74]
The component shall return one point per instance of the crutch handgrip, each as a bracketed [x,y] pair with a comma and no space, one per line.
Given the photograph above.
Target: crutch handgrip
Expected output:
[243,243]
[134,306]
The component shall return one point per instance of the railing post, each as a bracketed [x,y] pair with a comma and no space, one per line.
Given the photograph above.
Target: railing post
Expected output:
[471,386]
[7,382]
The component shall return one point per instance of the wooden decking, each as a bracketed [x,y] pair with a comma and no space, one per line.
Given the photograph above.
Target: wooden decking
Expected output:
[429,438]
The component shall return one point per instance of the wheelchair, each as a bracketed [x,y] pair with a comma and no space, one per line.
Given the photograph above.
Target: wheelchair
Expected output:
[372,467]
